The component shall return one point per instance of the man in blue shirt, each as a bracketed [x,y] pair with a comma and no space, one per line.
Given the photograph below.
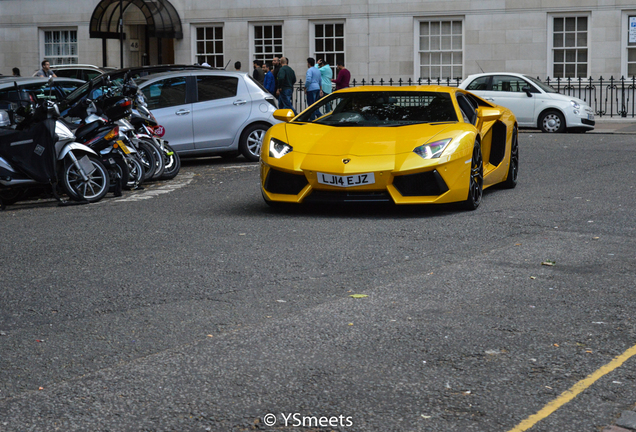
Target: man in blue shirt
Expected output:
[269,81]
[313,80]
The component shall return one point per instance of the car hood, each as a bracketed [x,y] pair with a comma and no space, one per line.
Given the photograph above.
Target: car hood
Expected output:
[361,141]
[565,98]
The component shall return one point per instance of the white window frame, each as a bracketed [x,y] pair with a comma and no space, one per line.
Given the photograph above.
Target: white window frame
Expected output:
[312,40]
[252,36]
[625,46]
[193,37]
[43,55]
[550,37]
[416,43]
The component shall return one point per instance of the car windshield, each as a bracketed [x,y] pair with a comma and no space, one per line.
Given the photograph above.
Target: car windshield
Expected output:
[546,88]
[99,85]
[381,108]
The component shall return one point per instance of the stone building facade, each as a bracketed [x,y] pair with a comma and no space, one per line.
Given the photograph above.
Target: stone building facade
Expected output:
[375,38]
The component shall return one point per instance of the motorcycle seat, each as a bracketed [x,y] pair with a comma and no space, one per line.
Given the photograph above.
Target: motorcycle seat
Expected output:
[86,130]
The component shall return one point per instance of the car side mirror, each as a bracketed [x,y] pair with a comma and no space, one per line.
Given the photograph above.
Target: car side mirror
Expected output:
[528,91]
[488,114]
[284,115]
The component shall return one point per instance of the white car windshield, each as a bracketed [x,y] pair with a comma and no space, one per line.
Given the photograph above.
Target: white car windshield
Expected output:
[546,88]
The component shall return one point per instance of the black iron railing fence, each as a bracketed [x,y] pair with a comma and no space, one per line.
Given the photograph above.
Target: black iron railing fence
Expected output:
[608,97]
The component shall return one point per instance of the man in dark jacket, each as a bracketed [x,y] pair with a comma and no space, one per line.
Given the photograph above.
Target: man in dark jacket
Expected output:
[285,85]
[258,72]
[275,66]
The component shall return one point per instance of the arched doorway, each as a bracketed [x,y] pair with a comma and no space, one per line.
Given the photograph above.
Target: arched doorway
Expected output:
[148,31]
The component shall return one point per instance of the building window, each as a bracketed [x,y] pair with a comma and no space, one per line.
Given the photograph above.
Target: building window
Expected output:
[60,46]
[441,53]
[631,61]
[268,42]
[569,47]
[209,46]
[631,46]
[329,43]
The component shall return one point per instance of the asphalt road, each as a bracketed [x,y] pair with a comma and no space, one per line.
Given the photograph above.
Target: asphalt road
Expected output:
[192,306]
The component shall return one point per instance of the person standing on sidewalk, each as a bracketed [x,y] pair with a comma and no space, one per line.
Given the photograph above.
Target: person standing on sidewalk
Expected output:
[269,82]
[326,73]
[285,85]
[343,76]
[275,67]
[312,82]
[258,74]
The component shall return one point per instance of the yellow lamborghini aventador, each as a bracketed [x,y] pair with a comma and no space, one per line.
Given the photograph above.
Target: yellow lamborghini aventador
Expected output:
[407,145]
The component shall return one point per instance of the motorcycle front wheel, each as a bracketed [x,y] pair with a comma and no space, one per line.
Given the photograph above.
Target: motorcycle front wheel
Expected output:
[91,190]
[147,159]
[136,173]
[173,164]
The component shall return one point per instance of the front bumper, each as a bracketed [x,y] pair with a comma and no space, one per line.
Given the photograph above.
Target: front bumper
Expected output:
[582,118]
[433,182]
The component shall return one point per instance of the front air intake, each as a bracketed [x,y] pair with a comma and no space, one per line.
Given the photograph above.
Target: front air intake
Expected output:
[280,182]
[428,183]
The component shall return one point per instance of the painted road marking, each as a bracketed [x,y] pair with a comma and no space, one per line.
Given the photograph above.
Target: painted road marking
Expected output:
[240,166]
[177,183]
[574,391]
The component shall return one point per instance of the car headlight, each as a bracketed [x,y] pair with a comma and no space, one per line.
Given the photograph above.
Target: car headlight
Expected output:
[575,104]
[278,149]
[432,150]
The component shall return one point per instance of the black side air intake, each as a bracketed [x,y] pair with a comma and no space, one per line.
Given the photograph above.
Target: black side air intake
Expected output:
[280,182]
[428,183]
[498,146]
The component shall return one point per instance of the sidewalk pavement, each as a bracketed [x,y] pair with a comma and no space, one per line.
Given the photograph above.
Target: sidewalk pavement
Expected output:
[615,125]
[605,125]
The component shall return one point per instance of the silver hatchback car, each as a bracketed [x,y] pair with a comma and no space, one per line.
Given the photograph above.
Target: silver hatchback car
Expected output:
[210,112]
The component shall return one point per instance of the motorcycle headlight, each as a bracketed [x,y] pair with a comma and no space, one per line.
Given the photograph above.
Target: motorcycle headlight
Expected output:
[278,149]
[575,104]
[432,150]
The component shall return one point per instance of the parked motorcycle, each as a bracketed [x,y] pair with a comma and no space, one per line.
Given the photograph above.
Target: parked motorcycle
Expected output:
[40,149]
[101,133]
[147,128]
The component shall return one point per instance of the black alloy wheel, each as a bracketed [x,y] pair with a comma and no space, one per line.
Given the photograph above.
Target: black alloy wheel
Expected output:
[513,168]
[476,182]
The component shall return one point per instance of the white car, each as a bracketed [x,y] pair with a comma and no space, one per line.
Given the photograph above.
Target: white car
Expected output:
[535,104]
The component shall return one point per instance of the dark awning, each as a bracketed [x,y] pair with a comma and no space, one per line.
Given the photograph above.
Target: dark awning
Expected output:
[162,18]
